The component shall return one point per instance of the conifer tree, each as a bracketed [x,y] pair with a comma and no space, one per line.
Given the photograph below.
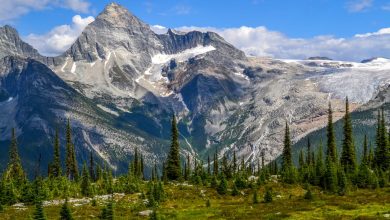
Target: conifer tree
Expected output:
[330,177]
[39,213]
[173,161]
[234,163]
[92,167]
[365,156]
[301,160]
[319,168]
[331,151]
[55,169]
[71,163]
[222,187]
[348,158]
[14,171]
[107,212]
[286,155]
[85,182]
[215,165]
[208,166]
[268,195]
[382,151]
[309,160]
[255,198]
[65,213]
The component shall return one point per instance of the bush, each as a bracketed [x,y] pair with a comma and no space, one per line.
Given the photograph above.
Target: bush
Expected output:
[268,195]
[208,204]
[308,195]
[222,187]
[255,199]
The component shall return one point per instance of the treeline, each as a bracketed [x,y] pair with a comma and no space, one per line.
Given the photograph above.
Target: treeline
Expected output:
[334,172]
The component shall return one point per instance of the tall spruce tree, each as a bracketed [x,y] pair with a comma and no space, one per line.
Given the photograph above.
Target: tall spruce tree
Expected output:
[173,161]
[71,163]
[92,174]
[14,171]
[382,151]
[55,169]
[65,213]
[85,182]
[286,155]
[309,160]
[365,156]
[331,151]
[348,158]
[39,214]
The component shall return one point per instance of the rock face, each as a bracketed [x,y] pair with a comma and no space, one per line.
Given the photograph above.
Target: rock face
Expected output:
[120,83]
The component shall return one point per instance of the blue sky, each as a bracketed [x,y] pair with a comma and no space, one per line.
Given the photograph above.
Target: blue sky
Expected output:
[304,19]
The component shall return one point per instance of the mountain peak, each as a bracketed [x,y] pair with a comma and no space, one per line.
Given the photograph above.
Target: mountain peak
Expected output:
[118,16]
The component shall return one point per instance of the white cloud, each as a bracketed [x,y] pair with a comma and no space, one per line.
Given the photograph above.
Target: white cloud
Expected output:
[359,5]
[60,38]
[12,9]
[260,41]
[386,7]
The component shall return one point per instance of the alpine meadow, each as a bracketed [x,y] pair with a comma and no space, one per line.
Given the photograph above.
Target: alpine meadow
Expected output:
[114,118]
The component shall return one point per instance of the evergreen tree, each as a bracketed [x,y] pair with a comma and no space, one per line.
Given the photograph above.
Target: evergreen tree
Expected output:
[286,155]
[301,160]
[55,169]
[342,182]
[92,167]
[66,213]
[85,182]
[365,156]
[14,171]
[234,163]
[268,195]
[330,177]
[71,163]
[348,158]
[309,160]
[215,165]
[319,168]
[331,151]
[208,166]
[39,213]
[255,198]
[173,161]
[222,187]
[382,151]
[107,212]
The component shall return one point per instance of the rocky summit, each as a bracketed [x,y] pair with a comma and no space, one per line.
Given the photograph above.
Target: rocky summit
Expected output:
[120,83]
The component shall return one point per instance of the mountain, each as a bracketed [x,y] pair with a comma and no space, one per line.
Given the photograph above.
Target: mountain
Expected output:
[120,83]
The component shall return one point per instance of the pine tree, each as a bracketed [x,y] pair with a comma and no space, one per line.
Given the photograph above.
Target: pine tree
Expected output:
[234,163]
[173,160]
[107,212]
[255,198]
[85,182]
[319,168]
[55,169]
[268,195]
[309,160]
[39,213]
[66,213]
[382,151]
[286,155]
[331,151]
[301,160]
[330,177]
[71,163]
[92,167]
[208,166]
[348,158]
[215,165]
[14,171]
[222,187]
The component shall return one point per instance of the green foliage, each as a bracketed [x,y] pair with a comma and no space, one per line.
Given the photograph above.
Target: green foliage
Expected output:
[348,158]
[55,167]
[268,195]
[255,198]
[330,176]
[222,187]
[173,161]
[286,154]
[331,151]
[39,213]
[71,163]
[107,212]
[208,203]
[154,215]
[66,213]
[14,171]
[308,195]
[86,189]
[235,191]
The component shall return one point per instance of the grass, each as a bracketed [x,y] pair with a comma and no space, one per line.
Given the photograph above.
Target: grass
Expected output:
[189,202]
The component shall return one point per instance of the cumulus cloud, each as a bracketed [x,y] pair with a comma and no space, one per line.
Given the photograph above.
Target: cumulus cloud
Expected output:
[259,41]
[359,5]
[59,38]
[12,9]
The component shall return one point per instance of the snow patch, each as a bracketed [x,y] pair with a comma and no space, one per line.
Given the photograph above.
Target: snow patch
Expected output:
[74,66]
[63,67]
[108,110]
